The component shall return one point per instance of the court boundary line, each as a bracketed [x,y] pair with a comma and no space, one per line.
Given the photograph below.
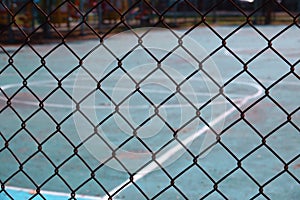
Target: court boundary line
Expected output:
[53,193]
[152,165]
[58,105]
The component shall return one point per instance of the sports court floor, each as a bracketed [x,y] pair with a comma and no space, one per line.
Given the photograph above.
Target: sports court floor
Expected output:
[240,139]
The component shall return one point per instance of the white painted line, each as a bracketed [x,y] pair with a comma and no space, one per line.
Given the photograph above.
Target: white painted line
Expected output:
[106,105]
[54,194]
[152,166]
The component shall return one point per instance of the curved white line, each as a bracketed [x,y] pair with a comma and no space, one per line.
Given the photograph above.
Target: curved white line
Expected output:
[106,106]
[152,166]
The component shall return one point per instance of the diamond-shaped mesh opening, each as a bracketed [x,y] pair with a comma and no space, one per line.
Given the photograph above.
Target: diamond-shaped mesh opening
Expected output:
[263,170]
[109,128]
[243,86]
[58,100]
[44,167]
[290,90]
[40,132]
[235,43]
[261,111]
[79,49]
[170,192]
[199,186]
[184,162]
[19,105]
[153,51]
[238,182]
[9,78]
[7,172]
[18,179]
[138,148]
[35,85]
[135,192]
[57,155]
[215,166]
[282,184]
[8,118]
[74,164]
[291,53]
[67,128]
[244,135]
[214,195]
[159,179]
[187,109]
[91,187]
[52,63]
[287,151]
[224,58]
[261,71]
[55,184]
[162,138]
[27,148]
[208,113]
[210,43]
[107,174]
[26,53]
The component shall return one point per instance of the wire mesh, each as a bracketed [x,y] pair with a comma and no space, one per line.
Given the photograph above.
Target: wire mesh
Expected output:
[31,22]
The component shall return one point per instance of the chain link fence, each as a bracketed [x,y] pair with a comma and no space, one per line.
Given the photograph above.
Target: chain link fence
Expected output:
[39,144]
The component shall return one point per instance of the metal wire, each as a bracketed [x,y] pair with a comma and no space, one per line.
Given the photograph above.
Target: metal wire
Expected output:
[47,30]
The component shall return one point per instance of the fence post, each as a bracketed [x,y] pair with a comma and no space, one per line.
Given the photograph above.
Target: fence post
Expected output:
[68,19]
[82,18]
[99,14]
[10,33]
[214,12]
[268,12]
[47,7]
[145,18]
[33,14]
[257,14]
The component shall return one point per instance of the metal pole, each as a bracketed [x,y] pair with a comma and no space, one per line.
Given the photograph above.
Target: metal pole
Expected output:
[68,19]
[141,12]
[268,13]
[196,3]
[99,13]
[257,13]
[214,13]
[33,17]
[10,33]
[81,5]
[47,7]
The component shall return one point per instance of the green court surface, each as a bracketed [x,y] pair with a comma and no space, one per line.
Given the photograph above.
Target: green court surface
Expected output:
[60,169]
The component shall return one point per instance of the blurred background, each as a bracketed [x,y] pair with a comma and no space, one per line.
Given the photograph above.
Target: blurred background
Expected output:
[54,18]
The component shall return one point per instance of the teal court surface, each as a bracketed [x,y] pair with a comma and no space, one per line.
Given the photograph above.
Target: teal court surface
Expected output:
[137,110]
